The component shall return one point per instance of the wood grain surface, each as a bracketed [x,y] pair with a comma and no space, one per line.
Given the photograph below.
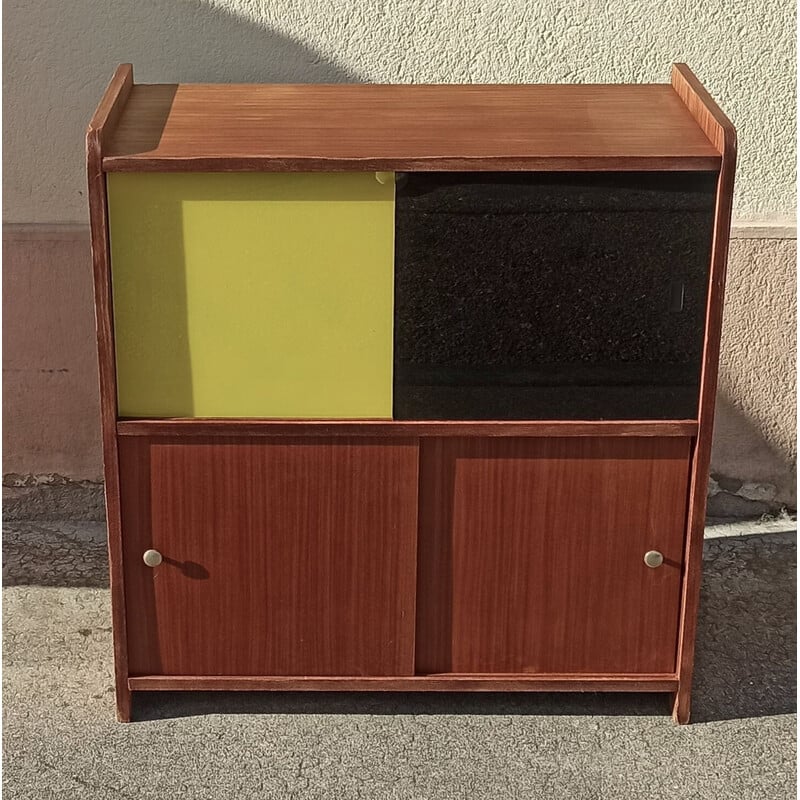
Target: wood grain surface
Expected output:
[326,427]
[531,555]
[196,127]
[281,557]
[108,111]
[426,683]
[720,131]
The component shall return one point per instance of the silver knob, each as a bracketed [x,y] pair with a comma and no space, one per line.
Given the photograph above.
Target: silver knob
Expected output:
[152,558]
[653,559]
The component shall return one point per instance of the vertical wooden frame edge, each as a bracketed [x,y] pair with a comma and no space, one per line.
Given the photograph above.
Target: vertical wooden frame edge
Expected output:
[107,113]
[721,133]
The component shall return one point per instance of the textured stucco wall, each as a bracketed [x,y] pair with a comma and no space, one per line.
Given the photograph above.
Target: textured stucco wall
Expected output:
[51,405]
[755,446]
[58,56]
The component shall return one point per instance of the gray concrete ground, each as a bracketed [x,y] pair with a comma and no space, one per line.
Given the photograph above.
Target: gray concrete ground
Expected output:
[61,741]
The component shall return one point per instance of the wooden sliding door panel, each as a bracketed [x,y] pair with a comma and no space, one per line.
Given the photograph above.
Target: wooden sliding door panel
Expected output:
[531,554]
[253,295]
[293,556]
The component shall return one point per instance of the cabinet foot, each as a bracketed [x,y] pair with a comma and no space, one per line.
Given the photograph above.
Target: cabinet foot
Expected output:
[682,705]
[123,697]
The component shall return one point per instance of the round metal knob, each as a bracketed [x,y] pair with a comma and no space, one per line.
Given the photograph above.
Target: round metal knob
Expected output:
[384,177]
[152,558]
[653,558]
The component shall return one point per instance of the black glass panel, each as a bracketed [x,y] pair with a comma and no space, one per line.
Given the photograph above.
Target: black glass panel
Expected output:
[550,295]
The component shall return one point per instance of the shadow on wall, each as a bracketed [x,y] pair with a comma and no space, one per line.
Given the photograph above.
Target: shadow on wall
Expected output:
[744,449]
[55,90]
[195,42]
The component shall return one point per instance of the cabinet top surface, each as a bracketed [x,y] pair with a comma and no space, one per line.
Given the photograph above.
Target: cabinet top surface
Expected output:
[227,127]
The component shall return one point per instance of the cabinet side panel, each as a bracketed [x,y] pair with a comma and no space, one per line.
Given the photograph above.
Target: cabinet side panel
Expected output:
[105,118]
[261,295]
[536,550]
[719,130]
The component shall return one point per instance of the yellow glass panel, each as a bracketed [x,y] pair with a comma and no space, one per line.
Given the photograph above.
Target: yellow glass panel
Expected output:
[253,294]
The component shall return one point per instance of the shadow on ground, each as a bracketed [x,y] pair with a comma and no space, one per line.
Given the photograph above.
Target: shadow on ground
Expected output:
[168,705]
[746,645]
[746,660]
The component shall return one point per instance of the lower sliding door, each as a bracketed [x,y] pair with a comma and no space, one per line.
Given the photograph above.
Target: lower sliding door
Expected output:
[531,555]
[292,556]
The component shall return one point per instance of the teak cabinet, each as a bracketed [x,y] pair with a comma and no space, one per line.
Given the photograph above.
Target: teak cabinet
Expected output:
[407,388]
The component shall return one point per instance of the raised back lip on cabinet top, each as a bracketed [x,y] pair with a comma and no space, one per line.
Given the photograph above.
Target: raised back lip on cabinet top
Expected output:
[402,127]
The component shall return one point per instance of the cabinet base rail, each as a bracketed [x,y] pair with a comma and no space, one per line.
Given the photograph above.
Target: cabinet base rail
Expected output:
[449,682]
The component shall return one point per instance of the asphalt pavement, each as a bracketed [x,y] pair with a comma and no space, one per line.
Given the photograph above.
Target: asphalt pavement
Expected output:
[60,738]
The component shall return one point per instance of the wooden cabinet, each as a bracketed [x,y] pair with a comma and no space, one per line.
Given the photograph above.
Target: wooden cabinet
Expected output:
[407,388]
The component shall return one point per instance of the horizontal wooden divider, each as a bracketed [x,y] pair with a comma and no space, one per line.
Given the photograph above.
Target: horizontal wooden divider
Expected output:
[263,427]
[420,683]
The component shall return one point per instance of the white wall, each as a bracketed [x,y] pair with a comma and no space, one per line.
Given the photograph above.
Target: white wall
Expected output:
[59,54]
